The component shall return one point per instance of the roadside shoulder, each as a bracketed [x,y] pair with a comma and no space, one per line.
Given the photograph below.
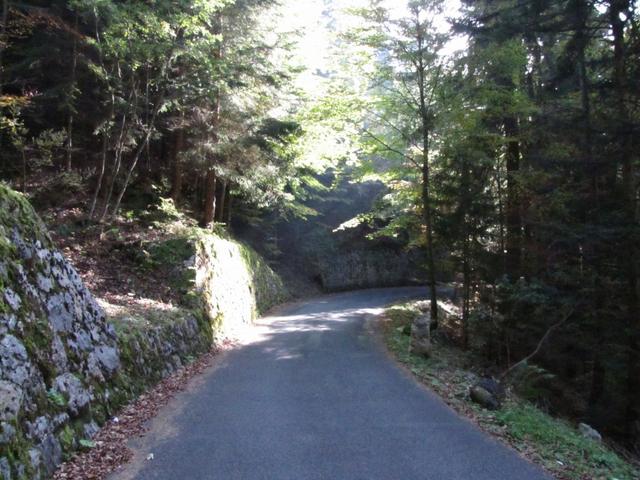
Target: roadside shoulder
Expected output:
[450,372]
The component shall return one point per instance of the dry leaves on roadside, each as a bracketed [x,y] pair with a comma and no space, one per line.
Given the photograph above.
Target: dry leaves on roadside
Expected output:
[110,449]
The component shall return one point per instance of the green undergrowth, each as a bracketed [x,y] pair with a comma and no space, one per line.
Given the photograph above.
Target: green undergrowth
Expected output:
[551,442]
[559,446]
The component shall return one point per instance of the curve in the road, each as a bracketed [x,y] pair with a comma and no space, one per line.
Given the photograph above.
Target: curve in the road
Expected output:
[313,396]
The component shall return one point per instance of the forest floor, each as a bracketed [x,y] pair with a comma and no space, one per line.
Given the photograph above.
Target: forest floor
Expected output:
[113,259]
[116,259]
[553,443]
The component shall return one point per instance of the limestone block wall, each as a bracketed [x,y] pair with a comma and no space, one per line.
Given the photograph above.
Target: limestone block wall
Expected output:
[235,282]
[55,347]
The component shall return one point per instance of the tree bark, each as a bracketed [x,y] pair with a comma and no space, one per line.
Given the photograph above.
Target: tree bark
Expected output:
[24,169]
[141,147]
[501,217]
[228,207]
[72,87]
[466,250]
[103,166]
[221,205]
[617,8]
[208,215]
[513,215]
[3,38]
[466,273]
[209,212]
[176,183]
[425,118]
[117,161]
[426,201]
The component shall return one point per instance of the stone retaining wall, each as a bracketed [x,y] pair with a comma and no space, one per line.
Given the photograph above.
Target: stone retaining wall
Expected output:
[65,369]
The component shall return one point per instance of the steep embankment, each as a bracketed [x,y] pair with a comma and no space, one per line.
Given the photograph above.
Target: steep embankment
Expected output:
[65,367]
[339,250]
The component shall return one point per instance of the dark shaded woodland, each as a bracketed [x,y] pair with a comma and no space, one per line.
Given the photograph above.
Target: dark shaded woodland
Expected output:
[513,164]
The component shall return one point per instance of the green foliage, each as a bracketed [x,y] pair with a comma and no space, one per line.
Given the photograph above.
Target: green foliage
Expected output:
[67,440]
[532,383]
[86,444]
[560,445]
[45,148]
[61,188]
[56,398]
[170,253]
[16,210]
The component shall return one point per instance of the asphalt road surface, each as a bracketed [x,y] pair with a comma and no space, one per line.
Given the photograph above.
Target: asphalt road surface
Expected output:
[313,396]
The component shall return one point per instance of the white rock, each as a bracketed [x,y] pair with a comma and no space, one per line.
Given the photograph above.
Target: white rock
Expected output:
[79,396]
[589,432]
[5,469]
[13,299]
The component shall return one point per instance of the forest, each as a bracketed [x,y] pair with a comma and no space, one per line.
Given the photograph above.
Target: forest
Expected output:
[502,136]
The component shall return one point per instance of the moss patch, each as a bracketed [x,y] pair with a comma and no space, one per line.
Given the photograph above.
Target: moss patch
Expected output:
[17,452]
[15,211]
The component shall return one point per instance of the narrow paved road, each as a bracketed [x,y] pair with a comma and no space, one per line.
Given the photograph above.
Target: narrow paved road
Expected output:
[314,396]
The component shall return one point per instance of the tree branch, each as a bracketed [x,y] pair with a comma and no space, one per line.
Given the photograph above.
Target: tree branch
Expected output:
[390,148]
[540,344]
[395,128]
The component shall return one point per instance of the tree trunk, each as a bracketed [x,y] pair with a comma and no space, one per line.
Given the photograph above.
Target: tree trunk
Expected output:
[466,272]
[228,205]
[501,217]
[597,387]
[466,201]
[209,212]
[3,39]
[127,179]
[208,215]
[513,215]
[222,194]
[117,161]
[103,166]
[24,169]
[72,87]
[625,156]
[198,193]
[425,118]
[426,202]
[147,147]
[176,182]
[140,150]
[583,10]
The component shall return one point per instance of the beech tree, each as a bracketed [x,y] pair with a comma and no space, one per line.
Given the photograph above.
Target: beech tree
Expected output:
[404,85]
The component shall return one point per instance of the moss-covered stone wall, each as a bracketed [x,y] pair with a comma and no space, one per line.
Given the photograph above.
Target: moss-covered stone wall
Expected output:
[65,368]
[234,281]
[56,349]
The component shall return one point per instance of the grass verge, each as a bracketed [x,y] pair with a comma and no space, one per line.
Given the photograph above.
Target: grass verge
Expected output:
[550,442]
